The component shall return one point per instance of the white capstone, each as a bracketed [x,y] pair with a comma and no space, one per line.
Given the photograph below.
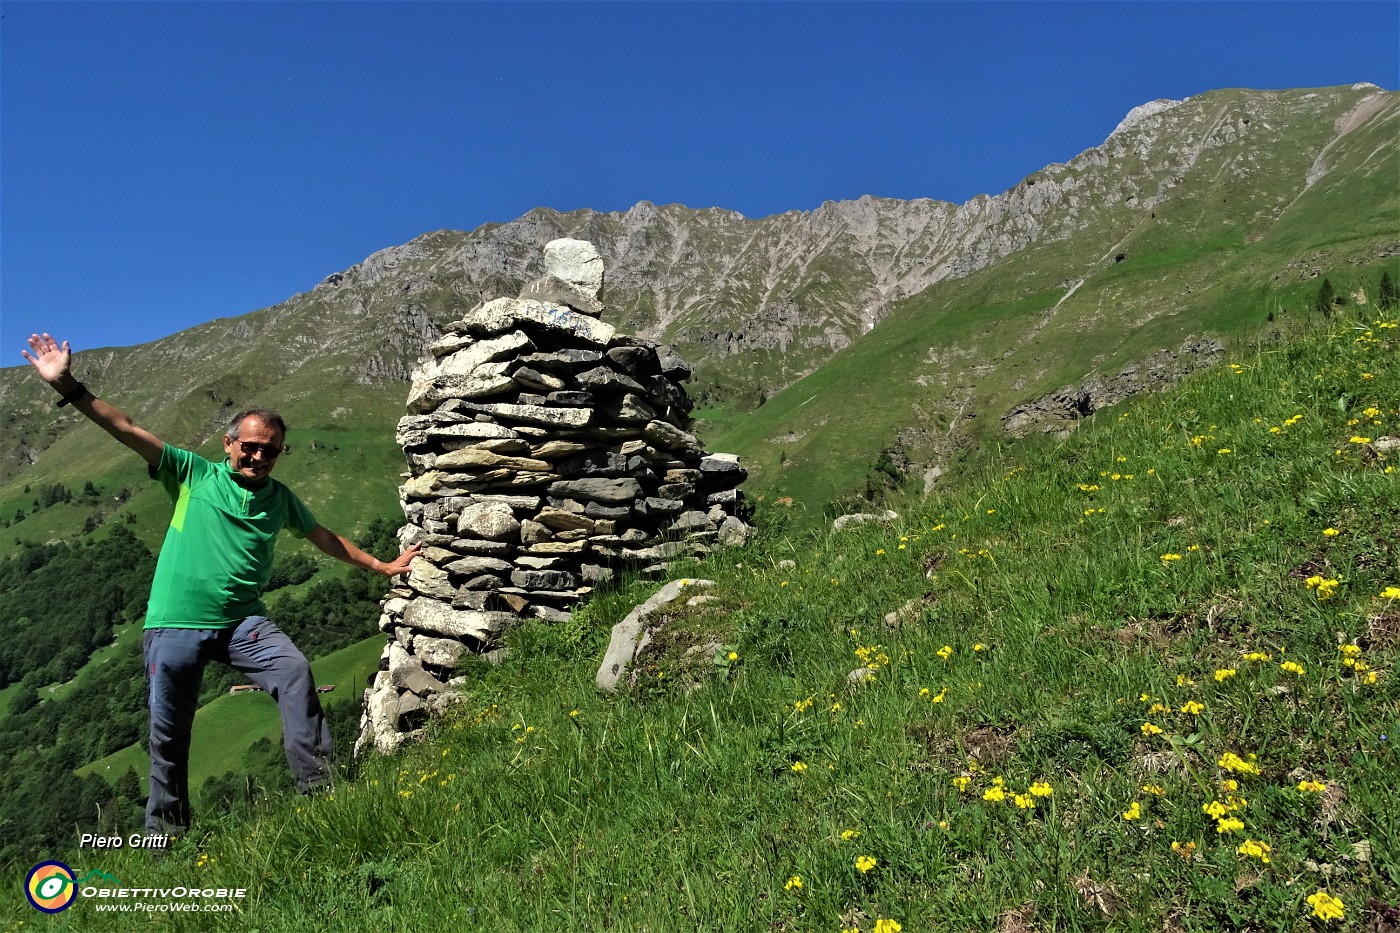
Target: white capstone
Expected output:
[576,262]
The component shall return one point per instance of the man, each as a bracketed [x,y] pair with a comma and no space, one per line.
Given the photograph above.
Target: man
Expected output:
[205,598]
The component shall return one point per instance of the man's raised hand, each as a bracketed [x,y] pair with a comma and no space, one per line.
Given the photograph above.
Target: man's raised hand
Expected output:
[50,358]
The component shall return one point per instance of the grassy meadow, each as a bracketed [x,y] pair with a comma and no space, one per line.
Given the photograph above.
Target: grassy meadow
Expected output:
[1139,679]
[226,728]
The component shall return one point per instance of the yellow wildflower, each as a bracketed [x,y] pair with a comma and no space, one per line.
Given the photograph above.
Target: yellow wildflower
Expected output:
[1041,789]
[1325,588]
[848,834]
[884,925]
[793,884]
[1222,673]
[994,794]
[1255,849]
[865,863]
[1184,849]
[1311,787]
[1191,707]
[1293,667]
[1232,762]
[961,783]
[1149,729]
[1326,907]
[1025,801]
[1134,812]
[799,766]
[945,652]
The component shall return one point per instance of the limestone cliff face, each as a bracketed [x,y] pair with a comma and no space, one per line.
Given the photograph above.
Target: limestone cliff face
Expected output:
[808,283]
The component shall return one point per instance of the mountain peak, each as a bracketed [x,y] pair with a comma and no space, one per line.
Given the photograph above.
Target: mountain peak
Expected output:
[1143,111]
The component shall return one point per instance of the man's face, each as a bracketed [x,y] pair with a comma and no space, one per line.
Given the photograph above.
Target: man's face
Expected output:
[252,455]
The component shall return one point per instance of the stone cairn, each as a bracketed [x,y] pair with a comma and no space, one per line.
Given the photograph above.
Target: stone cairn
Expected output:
[545,452]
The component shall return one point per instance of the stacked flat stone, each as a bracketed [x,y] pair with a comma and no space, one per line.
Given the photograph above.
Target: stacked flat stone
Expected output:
[546,452]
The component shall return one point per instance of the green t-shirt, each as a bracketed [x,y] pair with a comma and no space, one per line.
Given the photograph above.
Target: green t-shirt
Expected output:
[217,555]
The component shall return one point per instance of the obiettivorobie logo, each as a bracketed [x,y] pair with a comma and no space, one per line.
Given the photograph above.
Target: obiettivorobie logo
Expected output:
[51,886]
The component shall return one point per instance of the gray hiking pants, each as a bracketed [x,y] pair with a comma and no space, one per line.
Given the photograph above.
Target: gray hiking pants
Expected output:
[175,660]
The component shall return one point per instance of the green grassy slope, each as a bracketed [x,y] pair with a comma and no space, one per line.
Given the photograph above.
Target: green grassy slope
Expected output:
[226,728]
[1239,239]
[1146,672]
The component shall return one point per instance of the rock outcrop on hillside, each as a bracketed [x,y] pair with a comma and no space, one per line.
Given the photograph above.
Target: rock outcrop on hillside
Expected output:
[545,451]
[1058,412]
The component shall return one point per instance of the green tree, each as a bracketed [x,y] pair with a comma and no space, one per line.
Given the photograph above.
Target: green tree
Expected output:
[1387,297]
[1326,298]
[128,788]
[290,570]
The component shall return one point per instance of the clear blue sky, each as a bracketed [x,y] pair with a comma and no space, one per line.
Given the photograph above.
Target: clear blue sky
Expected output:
[164,164]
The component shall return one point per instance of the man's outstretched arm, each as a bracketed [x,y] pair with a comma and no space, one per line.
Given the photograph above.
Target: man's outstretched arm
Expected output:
[52,361]
[339,548]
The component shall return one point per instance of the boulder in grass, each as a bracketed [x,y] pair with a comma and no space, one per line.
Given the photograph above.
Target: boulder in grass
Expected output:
[627,634]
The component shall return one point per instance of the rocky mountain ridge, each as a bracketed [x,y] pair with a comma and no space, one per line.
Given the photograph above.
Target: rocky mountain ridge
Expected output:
[758,304]
[719,285]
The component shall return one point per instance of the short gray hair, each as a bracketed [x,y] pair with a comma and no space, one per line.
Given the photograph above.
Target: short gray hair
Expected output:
[266,415]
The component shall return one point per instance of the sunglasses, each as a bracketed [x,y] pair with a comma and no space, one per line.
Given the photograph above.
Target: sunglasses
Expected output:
[269,451]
